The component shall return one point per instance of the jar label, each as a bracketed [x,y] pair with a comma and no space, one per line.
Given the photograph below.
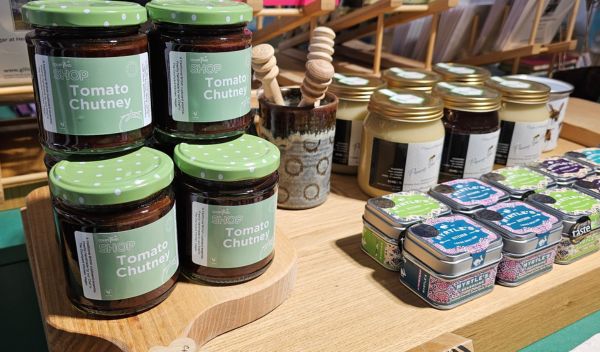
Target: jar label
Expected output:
[93,96]
[405,166]
[521,178]
[233,236]
[346,145]
[209,87]
[558,109]
[407,74]
[125,264]
[520,142]
[461,70]
[468,155]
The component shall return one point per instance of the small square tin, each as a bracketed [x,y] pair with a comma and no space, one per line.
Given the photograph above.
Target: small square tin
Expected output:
[578,211]
[467,195]
[570,250]
[442,291]
[563,170]
[524,228]
[393,213]
[589,185]
[518,181]
[516,270]
[453,245]
[384,250]
[586,156]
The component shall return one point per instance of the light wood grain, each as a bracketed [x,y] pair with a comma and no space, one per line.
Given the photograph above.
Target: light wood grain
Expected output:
[582,122]
[192,310]
[344,301]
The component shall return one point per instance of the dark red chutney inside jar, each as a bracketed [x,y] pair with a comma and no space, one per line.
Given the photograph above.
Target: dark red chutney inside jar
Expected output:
[117,231]
[226,204]
[90,75]
[201,75]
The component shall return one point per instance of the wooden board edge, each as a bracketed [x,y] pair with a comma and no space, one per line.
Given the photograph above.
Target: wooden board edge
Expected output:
[528,321]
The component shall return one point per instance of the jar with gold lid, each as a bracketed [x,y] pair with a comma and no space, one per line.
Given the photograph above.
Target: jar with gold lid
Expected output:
[523,120]
[353,92]
[413,79]
[402,142]
[472,129]
[468,74]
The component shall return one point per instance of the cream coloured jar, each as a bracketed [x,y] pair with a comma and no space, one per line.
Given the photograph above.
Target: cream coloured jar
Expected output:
[523,120]
[402,142]
[353,92]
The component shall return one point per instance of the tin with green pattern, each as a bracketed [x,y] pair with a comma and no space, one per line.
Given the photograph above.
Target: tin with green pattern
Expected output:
[384,250]
[518,181]
[393,213]
[116,221]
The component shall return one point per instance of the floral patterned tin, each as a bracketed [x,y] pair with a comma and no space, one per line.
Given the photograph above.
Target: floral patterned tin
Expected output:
[453,245]
[518,181]
[586,156]
[580,214]
[563,170]
[589,185]
[443,291]
[468,195]
[530,240]
[393,213]
[383,249]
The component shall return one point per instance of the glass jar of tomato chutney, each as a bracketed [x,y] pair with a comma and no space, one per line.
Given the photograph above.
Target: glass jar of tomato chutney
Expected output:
[201,68]
[226,203]
[117,231]
[90,75]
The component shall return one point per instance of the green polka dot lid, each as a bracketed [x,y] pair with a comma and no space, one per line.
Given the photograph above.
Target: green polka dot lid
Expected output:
[245,158]
[199,12]
[83,13]
[124,179]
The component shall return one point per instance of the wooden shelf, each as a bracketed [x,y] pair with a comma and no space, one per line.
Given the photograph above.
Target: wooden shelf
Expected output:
[345,301]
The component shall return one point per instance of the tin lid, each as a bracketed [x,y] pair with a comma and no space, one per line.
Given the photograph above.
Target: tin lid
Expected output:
[244,158]
[454,238]
[468,195]
[199,12]
[518,180]
[119,180]
[402,209]
[462,73]
[464,97]
[562,169]
[556,86]
[411,78]
[520,91]
[355,87]
[568,202]
[83,13]
[590,184]
[591,156]
[516,219]
[406,105]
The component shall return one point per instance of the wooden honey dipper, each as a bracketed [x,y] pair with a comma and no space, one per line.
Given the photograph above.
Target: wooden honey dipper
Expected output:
[321,44]
[265,68]
[316,81]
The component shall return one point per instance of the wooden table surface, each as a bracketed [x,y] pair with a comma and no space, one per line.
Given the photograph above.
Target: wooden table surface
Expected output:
[344,301]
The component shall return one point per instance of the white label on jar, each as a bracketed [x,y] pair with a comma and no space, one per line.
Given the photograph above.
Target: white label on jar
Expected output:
[467,91]
[405,166]
[125,264]
[520,143]
[346,145]
[557,110]
[511,83]
[480,154]
[350,81]
[233,236]
[457,69]
[407,74]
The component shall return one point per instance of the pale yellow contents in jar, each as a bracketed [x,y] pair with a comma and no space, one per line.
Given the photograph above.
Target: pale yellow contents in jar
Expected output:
[355,112]
[526,142]
[429,134]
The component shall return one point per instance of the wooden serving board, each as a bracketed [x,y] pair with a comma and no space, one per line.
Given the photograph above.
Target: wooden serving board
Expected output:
[199,312]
